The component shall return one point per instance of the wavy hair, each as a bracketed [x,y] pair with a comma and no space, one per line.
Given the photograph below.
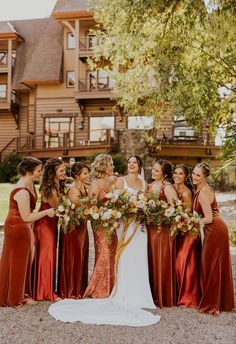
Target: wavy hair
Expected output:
[100,165]
[48,178]
[77,168]
[139,161]
[186,171]
[166,168]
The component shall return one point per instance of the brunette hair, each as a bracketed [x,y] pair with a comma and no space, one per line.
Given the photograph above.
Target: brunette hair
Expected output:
[77,168]
[186,171]
[48,178]
[100,165]
[139,161]
[166,168]
[206,168]
[28,164]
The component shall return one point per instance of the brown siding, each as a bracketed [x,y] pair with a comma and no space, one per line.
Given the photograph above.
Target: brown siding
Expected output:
[7,128]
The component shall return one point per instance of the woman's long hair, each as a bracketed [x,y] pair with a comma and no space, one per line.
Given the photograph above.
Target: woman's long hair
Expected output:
[48,178]
[166,168]
[28,164]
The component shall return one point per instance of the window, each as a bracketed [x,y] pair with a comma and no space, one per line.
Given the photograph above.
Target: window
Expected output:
[59,132]
[3,91]
[99,81]
[70,41]
[70,79]
[99,128]
[140,122]
[181,129]
[3,57]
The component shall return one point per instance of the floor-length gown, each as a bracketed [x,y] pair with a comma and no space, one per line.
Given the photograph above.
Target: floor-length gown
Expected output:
[103,276]
[161,258]
[16,259]
[130,294]
[45,231]
[74,262]
[188,250]
[216,271]
[187,270]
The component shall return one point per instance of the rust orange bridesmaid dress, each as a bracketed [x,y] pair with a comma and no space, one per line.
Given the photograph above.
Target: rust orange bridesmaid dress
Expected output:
[74,262]
[103,276]
[188,250]
[216,271]
[16,259]
[161,260]
[45,231]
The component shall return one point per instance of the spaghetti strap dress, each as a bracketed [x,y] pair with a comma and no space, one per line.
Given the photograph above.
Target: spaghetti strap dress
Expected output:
[161,259]
[16,259]
[216,270]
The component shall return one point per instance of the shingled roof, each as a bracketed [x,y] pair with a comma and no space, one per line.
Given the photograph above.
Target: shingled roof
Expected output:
[70,9]
[39,56]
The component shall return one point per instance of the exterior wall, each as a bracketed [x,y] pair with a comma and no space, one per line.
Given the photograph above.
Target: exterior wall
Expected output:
[8,129]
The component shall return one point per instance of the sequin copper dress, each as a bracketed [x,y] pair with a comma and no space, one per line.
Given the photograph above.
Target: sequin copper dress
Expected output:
[188,252]
[74,262]
[216,271]
[161,259]
[16,259]
[103,276]
[45,256]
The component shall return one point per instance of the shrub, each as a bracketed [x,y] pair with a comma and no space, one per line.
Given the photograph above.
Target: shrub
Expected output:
[8,169]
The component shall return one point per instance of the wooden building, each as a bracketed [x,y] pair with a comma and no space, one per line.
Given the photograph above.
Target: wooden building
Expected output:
[51,104]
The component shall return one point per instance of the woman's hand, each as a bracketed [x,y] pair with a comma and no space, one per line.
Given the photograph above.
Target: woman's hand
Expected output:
[51,212]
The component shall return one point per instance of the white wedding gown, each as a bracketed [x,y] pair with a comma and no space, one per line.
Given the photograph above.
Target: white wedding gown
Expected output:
[130,294]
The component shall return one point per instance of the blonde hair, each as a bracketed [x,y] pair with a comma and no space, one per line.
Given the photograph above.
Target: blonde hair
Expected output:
[100,165]
[206,168]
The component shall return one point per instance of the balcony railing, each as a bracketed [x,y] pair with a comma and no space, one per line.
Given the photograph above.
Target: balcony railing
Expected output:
[4,60]
[95,84]
[87,43]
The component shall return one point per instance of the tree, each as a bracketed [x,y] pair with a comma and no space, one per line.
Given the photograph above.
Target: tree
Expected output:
[170,57]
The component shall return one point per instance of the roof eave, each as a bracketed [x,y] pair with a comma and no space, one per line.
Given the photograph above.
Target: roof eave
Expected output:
[11,35]
[83,14]
[40,82]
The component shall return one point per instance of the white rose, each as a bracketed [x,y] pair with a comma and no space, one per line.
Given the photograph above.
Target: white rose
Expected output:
[169,212]
[95,216]
[118,215]
[61,208]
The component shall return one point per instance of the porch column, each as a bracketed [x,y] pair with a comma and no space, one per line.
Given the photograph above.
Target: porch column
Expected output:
[9,70]
[77,34]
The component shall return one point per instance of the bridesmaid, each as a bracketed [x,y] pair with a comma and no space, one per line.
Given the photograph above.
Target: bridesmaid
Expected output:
[103,276]
[161,246]
[216,271]
[75,243]
[18,245]
[45,230]
[188,246]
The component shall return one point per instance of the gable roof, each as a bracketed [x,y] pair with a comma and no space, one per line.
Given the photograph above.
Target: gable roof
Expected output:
[39,56]
[71,9]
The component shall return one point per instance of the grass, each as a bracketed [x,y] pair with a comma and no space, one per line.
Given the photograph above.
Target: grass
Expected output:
[5,190]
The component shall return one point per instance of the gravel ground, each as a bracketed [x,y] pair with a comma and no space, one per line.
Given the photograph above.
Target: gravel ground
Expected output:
[29,325]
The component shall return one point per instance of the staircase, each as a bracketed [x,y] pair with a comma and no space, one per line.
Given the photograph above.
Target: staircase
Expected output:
[10,148]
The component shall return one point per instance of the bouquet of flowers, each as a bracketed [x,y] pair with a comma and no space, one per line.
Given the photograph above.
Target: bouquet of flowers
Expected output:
[155,209]
[135,205]
[69,216]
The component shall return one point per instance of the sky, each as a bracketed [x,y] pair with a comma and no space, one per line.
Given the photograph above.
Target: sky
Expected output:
[25,9]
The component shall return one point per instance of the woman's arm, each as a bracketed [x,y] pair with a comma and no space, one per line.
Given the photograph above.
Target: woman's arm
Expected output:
[22,198]
[170,193]
[119,184]
[205,199]
[73,196]
[94,190]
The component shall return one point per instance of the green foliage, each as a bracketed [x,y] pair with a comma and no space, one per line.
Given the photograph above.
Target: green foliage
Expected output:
[170,57]
[8,169]
[120,163]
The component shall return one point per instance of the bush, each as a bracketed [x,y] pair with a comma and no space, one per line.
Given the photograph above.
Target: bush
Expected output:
[8,169]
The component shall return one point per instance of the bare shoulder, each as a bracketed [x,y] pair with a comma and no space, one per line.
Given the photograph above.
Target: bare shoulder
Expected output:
[206,194]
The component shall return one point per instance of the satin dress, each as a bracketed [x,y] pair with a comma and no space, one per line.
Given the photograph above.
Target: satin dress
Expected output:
[16,259]
[103,276]
[161,260]
[216,271]
[187,264]
[74,262]
[45,231]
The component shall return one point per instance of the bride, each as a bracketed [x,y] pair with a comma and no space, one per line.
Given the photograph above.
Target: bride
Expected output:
[132,291]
